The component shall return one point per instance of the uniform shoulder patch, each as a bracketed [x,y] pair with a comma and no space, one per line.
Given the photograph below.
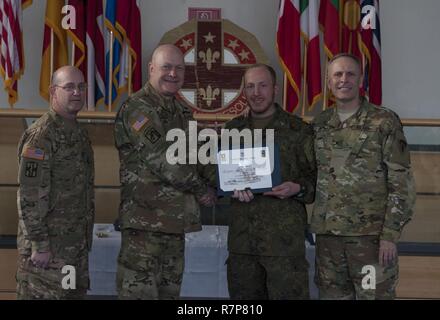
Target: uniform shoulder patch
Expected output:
[152,135]
[32,153]
[140,122]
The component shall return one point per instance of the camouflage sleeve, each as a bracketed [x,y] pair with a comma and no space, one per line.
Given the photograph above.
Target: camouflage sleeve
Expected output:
[400,181]
[34,189]
[307,164]
[147,136]
[90,191]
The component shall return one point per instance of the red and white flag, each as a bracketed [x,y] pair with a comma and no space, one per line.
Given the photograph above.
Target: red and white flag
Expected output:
[289,49]
[11,45]
[128,23]
[88,40]
[371,48]
[310,33]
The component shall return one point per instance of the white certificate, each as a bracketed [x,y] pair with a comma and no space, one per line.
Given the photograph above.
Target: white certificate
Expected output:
[240,169]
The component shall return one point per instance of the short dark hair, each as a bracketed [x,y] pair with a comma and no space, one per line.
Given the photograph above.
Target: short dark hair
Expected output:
[347,55]
[271,70]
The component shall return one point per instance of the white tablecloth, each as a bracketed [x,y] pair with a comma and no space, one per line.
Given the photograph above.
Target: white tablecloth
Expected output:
[205,269]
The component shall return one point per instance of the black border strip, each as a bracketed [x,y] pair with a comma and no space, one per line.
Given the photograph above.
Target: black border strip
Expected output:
[404,248]
[424,147]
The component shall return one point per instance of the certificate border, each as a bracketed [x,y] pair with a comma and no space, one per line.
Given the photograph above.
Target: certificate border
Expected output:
[276,173]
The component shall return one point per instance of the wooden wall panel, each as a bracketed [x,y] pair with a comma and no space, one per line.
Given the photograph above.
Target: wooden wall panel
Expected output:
[419,277]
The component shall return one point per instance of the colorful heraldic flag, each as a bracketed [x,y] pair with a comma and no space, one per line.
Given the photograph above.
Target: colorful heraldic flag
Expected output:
[88,39]
[310,33]
[11,45]
[128,23]
[371,48]
[289,49]
[59,45]
[329,12]
[114,77]
[342,26]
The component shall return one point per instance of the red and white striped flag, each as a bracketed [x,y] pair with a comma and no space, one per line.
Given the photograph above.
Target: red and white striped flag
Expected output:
[95,53]
[289,49]
[88,42]
[310,33]
[11,45]
[55,50]
[371,47]
[128,23]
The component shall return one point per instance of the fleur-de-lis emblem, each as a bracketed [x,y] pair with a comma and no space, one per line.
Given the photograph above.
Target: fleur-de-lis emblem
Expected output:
[209,58]
[209,95]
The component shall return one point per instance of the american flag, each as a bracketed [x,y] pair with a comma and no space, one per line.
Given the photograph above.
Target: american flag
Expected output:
[11,45]
[33,153]
[140,122]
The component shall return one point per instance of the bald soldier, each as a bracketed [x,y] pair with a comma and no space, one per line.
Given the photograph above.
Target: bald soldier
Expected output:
[159,201]
[55,196]
[365,191]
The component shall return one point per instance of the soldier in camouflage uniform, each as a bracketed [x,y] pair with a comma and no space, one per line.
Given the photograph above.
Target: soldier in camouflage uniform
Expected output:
[266,239]
[56,196]
[158,200]
[365,191]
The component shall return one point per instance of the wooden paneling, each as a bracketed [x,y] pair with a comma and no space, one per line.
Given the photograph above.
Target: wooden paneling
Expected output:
[8,268]
[8,296]
[419,277]
[426,168]
[8,211]
[425,224]
[107,205]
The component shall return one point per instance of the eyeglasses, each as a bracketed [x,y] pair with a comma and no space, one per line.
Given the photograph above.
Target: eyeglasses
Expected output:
[71,87]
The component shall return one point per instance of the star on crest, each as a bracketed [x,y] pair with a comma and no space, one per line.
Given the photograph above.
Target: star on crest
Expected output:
[233,44]
[244,55]
[186,44]
[209,38]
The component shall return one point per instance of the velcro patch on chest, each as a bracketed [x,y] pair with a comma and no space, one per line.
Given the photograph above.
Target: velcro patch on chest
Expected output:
[140,122]
[152,135]
[33,153]
[31,169]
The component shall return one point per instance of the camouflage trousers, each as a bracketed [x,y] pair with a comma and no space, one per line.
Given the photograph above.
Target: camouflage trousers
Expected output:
[39,283]
[339,264]
[150,265]
[261,277]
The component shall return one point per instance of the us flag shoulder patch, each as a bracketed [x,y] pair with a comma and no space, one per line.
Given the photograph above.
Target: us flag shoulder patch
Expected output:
[140,122]
[33,153]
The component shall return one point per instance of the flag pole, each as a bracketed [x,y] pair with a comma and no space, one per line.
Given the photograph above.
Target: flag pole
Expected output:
[51,54]
[285,80]
[130,72]
[110,75]
[73,54]
[325,103]
[304,93]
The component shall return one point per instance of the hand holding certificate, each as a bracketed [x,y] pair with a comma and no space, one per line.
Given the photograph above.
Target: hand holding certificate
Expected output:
[247,168]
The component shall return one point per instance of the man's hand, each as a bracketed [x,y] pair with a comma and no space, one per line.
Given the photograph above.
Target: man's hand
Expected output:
[284,190]
[209,199]
[41,259]
[387,252]
[243,195]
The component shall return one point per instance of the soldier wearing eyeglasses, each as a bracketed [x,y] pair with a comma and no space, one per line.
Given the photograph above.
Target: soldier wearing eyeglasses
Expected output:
[55,196]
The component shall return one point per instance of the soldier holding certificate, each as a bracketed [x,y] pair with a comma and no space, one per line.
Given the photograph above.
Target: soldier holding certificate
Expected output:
[266,231]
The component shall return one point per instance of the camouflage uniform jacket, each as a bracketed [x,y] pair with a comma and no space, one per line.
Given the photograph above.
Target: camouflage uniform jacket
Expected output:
[365,185]
[56,195]
[155,195]
[269,226]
